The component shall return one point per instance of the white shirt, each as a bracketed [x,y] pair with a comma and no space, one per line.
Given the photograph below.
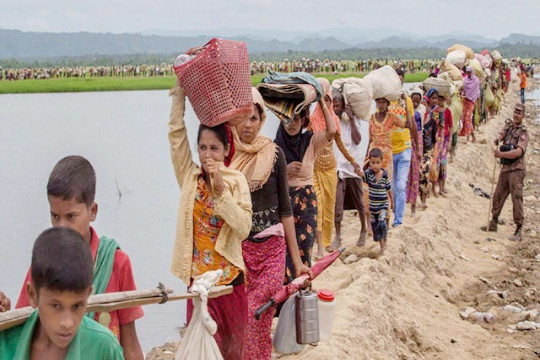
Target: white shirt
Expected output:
[358,152]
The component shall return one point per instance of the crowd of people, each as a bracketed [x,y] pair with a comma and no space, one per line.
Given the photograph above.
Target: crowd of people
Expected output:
[254,209]
[66,72]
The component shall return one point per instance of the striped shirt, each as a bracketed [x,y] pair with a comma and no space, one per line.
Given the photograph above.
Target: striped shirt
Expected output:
[378,191]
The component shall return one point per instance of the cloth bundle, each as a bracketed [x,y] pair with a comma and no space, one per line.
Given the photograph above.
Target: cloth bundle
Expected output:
[286,95]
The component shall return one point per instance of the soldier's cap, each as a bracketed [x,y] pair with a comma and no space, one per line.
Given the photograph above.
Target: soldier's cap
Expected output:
[520,107]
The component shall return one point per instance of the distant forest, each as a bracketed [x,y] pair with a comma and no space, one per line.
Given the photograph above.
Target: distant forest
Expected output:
[522,50]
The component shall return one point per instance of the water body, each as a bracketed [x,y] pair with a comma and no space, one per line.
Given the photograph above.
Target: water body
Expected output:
[124,136]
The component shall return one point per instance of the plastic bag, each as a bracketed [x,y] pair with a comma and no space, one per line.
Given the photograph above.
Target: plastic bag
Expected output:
[385,83]
[284,339]
[198,341]
[489,97]
[456,108]
[358,93]
[457,58]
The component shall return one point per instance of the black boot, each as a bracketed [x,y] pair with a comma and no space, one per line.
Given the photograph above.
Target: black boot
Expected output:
[492,227]
[517,234]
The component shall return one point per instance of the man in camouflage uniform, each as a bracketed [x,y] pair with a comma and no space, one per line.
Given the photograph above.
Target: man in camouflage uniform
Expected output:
[514,137]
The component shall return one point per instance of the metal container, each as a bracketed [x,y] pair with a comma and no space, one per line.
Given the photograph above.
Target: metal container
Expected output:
[307,317]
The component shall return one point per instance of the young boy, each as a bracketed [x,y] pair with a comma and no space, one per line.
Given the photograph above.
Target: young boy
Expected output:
[71,190]
[58,328]
[380,197]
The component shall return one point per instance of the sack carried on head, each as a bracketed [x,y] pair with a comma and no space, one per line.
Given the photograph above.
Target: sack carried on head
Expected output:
[385,83]
[357,93]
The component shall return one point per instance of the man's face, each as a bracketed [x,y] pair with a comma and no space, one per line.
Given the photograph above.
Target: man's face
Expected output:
[72,214]
[60,313]
[518,116]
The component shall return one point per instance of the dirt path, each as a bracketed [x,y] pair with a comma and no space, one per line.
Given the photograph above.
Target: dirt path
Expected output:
[405,304]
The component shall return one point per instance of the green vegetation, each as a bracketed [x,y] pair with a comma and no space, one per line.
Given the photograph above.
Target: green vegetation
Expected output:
[140,83]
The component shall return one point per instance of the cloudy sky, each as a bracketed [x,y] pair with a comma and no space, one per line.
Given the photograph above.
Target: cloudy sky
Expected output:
[493,18]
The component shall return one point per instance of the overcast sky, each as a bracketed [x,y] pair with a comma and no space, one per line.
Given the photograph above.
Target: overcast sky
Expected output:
[492,18]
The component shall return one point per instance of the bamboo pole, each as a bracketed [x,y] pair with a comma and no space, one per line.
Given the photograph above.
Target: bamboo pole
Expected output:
[115,301]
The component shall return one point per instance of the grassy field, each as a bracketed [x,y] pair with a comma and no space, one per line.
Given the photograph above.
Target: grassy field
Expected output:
[121,84]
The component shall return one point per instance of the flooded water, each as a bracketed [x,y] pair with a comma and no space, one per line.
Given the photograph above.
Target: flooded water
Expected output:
[124,135]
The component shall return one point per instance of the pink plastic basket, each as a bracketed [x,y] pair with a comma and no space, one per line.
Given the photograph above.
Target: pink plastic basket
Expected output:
[217,82]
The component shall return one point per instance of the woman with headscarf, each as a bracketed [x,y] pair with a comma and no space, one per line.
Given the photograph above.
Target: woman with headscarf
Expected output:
[433,120]
[380,131]
[325,173]
[214,217]
[413,182]
[471,92]
[272,227]
[300,148]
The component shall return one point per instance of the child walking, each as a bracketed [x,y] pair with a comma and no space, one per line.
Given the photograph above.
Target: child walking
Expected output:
[380,197]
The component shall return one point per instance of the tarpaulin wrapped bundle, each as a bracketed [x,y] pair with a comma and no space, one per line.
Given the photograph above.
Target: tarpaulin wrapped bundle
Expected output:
[485,62]
[358,93]
[385,83]
[443,87]
[286,95]
[456,58]
[452,71]
[217,82]
[198,341]
[469,53]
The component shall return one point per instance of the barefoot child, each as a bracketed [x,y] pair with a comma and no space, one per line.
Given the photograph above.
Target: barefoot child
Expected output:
[58,329]
[71,191]
[380,196]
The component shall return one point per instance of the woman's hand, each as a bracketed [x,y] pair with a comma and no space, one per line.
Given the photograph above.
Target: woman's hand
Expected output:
[294,168]
[213,171]
[300,269]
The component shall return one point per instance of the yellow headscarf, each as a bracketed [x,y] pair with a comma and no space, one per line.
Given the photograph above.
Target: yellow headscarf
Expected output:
[255,160]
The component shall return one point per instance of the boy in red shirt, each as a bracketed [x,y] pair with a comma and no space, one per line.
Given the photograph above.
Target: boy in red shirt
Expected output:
[71,191]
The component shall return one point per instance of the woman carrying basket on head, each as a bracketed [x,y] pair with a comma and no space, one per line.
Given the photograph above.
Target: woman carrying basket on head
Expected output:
[272,228]
[214,217]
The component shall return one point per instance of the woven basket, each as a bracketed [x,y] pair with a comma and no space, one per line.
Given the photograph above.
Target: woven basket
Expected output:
[217,82]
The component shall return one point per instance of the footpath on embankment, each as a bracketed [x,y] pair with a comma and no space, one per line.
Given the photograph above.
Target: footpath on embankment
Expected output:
[405,304]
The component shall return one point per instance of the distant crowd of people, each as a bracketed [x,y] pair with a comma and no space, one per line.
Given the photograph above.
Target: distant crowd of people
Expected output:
[64,72]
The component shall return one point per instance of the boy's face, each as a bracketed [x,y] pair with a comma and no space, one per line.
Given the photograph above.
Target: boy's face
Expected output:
[60,313]
[375,163]
[72,214]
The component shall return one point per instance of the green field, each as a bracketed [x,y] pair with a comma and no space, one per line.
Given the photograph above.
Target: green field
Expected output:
[121,84]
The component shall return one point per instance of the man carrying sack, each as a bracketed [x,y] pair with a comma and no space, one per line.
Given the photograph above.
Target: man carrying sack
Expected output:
[514,139]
